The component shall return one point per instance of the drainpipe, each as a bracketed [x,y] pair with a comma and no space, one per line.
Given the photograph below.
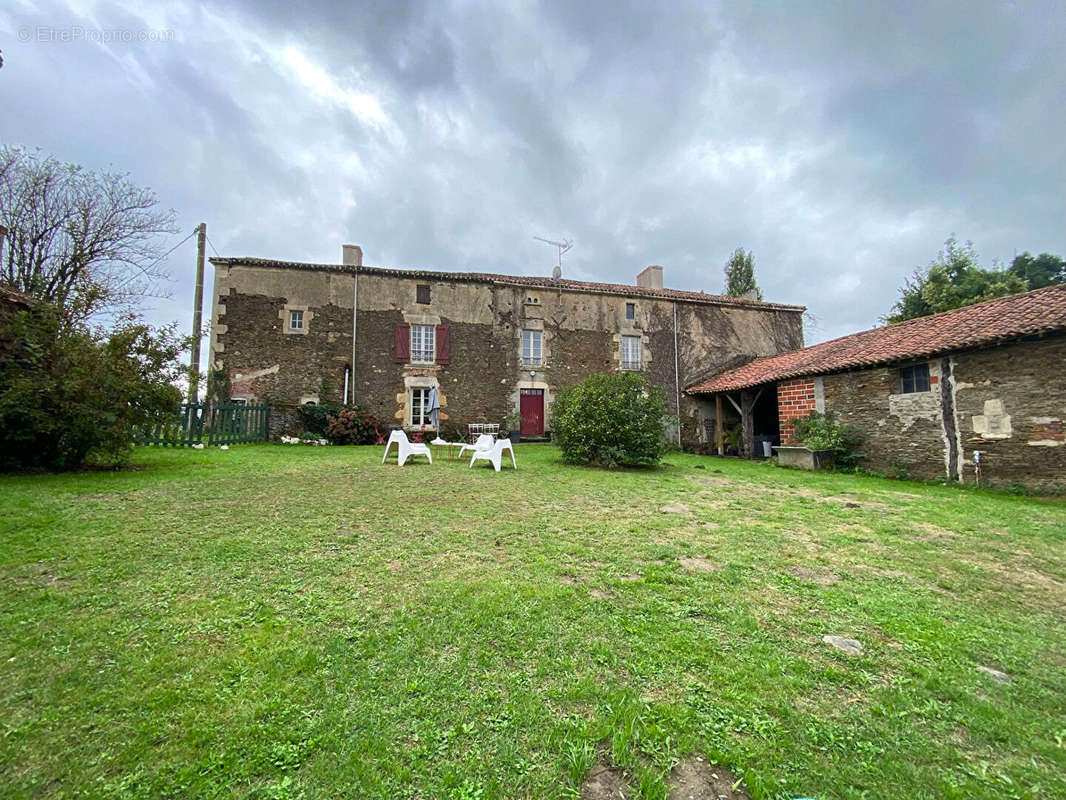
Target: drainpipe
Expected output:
[677,380]
[352,257]
[355,314]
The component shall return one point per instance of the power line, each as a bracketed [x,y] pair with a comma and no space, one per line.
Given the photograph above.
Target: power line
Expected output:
[213,247]
[172,249]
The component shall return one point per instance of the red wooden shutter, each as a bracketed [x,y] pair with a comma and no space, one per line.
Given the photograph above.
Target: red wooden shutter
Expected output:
[401,347]
[444,344]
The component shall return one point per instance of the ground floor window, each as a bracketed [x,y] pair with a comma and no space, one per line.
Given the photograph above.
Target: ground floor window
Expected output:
[630,352]
[914,378]
[420,407]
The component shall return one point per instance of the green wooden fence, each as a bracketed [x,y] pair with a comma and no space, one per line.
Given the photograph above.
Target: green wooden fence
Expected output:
[222,423]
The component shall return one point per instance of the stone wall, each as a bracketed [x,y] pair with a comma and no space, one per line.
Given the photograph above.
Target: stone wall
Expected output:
[904,432]
[1008,403]
[481,382]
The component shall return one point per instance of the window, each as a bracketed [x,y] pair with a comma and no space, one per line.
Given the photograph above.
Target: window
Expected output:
[423,344]
[631,310]
[914,378]
[420,407]
[630,352]
[422,293]
[531,349]
[296,320]
[239,401]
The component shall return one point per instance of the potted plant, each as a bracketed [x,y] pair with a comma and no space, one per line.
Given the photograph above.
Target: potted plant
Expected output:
[514,426]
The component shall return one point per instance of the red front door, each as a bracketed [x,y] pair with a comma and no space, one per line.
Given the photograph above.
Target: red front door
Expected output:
[532,407]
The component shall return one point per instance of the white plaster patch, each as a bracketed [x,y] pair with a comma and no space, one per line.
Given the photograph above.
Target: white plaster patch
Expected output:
[1046,443]
[915,406]
[259,373]
[994,423]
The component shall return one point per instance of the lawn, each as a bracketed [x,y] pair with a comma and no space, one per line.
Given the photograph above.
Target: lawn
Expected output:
[297,622]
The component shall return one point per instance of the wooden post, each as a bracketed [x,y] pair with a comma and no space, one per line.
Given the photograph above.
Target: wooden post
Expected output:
[747,422]
[719,430]
[197,315]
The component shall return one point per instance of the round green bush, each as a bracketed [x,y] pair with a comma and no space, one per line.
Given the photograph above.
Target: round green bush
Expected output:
[611,420]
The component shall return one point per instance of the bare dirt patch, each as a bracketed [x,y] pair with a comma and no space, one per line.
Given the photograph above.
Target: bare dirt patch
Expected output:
[823,579]
[855,501]
[606,783]
[675,508]
[40,575]
[699,564]
[596,594]
[695,779]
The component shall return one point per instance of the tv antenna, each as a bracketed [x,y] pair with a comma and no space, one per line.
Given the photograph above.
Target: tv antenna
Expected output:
[563,246]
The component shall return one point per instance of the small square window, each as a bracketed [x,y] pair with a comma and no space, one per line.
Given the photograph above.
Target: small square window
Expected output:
[631,310]
[296,320]
[914,378]
[423,294]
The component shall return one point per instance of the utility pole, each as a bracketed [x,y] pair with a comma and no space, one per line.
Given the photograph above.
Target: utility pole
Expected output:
[197,315]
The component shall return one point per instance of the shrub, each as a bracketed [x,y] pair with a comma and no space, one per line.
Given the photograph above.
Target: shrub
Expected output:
[315,417]
[819,431]
[612,420]
[69,394]
[351,425]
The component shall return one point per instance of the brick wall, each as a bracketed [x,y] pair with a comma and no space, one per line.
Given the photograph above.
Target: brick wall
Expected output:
[795,400]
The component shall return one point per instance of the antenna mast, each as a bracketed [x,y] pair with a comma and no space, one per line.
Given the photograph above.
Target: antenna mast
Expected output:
[564,246]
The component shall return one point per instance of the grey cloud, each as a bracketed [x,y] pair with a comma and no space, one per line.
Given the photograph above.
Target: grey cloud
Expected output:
[841,143]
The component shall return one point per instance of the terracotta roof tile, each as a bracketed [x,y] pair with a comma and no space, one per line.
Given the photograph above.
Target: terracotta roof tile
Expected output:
[1026,314]
[516,280]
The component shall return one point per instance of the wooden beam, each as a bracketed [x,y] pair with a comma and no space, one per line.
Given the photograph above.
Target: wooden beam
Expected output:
[734,402]
[719,431]
[747,404]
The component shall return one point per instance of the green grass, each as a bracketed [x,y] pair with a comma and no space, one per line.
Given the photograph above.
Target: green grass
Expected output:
[296,622]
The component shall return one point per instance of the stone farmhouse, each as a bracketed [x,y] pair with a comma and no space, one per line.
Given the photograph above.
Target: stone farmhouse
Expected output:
[492,345]
[936,397]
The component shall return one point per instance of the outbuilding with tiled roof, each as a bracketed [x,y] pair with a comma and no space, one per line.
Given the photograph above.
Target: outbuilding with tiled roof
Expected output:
[979,392]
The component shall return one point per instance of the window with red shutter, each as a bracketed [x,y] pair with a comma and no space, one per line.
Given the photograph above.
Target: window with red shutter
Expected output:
[444,344]
[401,347]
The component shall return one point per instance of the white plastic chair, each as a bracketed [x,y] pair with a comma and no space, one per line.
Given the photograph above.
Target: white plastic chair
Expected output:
[483,442]
[495,454]
[405,448]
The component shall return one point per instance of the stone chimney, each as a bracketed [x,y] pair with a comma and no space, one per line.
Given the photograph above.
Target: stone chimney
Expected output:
[650,277]
[351,255]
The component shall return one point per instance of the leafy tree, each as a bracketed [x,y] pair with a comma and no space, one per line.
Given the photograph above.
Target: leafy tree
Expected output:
[1039,271]
[84,241]
[611,420]
[68,393]
[953,280]
[740,275]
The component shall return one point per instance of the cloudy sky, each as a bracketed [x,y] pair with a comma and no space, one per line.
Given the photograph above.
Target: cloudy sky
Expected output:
[842,143]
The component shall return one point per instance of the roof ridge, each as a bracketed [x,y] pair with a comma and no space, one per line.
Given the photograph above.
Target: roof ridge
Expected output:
[1033,312]
[529,280]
